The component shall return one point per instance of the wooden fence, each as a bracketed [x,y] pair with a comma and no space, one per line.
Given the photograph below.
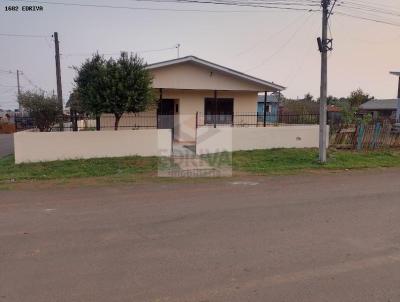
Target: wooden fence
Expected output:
[367,137]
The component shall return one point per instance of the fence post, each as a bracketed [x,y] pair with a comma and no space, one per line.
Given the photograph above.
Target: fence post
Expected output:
[215,108]
[98,126]
[377,132]
[265,108]
[172,140]
[74,120]
[360,136]
[197,119]
[15,122]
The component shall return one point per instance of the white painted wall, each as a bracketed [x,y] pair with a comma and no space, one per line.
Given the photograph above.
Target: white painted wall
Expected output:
[49,146]
[212,140]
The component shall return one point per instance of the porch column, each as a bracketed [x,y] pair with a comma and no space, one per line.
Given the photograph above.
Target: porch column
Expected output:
[215,108]
[158,110]
[265,108]
[278,109]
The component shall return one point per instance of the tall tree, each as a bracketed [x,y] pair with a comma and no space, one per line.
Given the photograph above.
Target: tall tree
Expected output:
[358,97]
[128,86]
[123,85]
[74,102]
[90,81]
[43,109]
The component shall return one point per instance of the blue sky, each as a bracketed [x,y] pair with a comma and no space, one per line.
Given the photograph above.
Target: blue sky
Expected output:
[277,46]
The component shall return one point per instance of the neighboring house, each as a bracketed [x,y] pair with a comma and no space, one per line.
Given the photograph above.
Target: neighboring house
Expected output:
[380,108]
[7,116]
[190,85]
[334,114]
[271,106]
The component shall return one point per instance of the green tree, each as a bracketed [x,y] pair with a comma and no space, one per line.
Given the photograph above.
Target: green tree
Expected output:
[43,109]
[302,106]
[90,81]
[115,86]
[74,102]
[358,97]
[308,97]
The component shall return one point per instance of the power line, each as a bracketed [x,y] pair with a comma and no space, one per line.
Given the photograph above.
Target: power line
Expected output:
[7,91]
[269,37]
[116,53]
[293,74]
[290,5]
[77,4]
[7,71]
[367,19]
[8,86]
[369,12]
[266,60]
[31,82]
[370,8]
[22,35]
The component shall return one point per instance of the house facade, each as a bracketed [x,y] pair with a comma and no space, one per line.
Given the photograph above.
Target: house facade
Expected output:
[271,107]
[190,87]
[381,108]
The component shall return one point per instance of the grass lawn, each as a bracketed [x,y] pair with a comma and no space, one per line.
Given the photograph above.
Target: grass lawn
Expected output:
[261,162]
[283,161]
[56,170]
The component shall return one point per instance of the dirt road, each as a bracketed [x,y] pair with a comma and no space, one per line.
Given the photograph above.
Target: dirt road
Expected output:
[307,238]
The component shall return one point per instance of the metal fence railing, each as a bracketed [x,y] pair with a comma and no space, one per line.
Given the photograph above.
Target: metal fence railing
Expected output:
[76,122]
[255,119]
[132,121]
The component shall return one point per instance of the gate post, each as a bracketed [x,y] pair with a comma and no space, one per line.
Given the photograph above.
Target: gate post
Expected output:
[215,108]
[265,108]
[98,123]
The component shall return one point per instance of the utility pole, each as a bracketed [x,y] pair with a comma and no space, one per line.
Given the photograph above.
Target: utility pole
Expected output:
[324,46]
[19,91]
[18,84]
[58,75]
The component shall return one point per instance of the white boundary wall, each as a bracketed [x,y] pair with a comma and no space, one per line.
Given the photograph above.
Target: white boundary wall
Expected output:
[49,146]
[213,140]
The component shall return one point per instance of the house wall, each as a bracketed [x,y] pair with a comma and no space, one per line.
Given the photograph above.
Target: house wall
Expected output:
[272,113]
[192,101]
[213,140]
[193,76]
[50,146]
[189,102]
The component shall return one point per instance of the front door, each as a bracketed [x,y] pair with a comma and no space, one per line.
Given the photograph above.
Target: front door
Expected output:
[165,114]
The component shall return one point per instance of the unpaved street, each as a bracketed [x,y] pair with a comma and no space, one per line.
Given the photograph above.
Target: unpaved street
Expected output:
[324,237]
